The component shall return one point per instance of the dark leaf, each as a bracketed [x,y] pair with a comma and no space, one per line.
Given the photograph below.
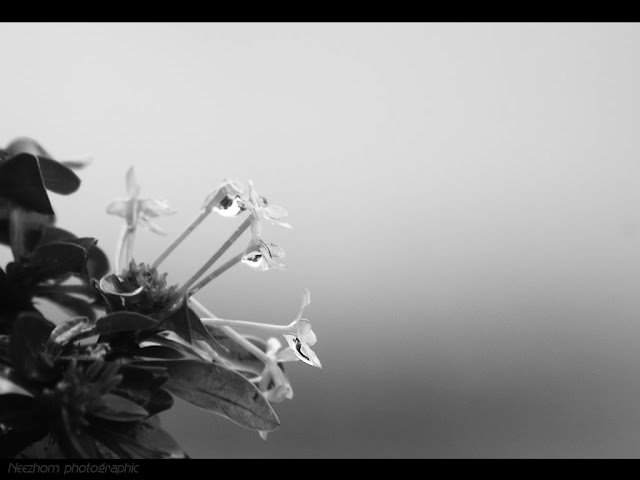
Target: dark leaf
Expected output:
[4,229]
[187,324]
[74,439]
[30,335]
[5,355]
[118,409]
[171,340]
[73,329]
[97,263]
[57,177]
[24,422]
[145,440]
[45,448]
[54,260]
[85,242]
[112,303]
[159,352]
[139,383]
[21,182]
[221,391]
[25,230]
[12,404]
[160,401]
[123,322]
[52,234]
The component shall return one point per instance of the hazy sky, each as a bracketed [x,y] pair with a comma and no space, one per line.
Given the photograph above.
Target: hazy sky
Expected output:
[465,206]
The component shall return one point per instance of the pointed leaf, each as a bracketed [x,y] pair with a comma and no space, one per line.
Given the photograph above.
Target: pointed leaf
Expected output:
[159,352]
[85,242]
[118,409]
[123,322]
[24,423]
[22,183]
[160,401]
[97,263]
[142,441]
[54,260]
[73,329]
[221,391]
[139,383]
[57,177]
[30,335]
[25,230]
[51,234]
[74,440]
[188,325]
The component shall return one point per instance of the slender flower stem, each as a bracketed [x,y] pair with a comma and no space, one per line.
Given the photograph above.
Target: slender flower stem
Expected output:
[216,273]
[264,327]
[204,213]
[122,240]
[225,246]
[250,347]
[130,241]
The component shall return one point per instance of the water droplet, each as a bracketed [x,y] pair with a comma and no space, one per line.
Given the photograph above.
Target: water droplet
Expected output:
[253,259]
[229,206]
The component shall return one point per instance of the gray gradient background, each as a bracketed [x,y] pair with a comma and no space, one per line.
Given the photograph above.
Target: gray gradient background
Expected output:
[465,201]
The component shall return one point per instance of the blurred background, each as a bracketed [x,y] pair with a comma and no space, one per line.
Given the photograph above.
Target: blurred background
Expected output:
[465,201]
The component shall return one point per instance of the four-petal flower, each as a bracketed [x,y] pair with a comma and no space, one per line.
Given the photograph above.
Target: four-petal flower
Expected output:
[139,210]
[135,210]
[261,210]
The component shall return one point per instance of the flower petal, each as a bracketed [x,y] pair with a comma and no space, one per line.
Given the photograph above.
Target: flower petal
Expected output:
[155,208]
[286,355]
[279,393]
[253,196]
[118,207]
[304,332]
[152,226]
[275,212]
[274,250]
[302,351]
[133,188]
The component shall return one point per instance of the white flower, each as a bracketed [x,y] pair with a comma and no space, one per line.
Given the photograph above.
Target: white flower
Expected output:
[139,210]
[263,256]
[261,210]
[226,199]
[304,337]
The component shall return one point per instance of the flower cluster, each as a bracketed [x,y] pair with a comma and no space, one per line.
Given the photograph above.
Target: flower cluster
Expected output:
[92,385]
